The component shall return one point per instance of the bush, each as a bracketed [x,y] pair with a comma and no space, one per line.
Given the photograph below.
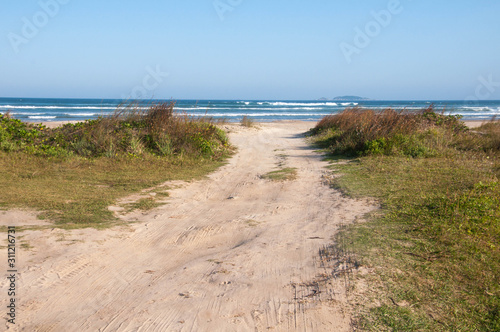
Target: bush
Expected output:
[389,132]
[132,130]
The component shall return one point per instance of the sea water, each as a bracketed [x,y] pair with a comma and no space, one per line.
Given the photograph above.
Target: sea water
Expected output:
[50,109]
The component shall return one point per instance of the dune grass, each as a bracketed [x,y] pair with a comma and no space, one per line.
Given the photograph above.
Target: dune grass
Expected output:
[433,249]
[357,132]
[247,121]
[74,172]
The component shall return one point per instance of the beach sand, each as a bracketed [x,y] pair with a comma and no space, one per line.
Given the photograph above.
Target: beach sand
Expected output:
[475,123]
[55,124]
[233,252]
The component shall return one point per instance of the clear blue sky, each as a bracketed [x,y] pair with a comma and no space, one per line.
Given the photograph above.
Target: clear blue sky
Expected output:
[261,49]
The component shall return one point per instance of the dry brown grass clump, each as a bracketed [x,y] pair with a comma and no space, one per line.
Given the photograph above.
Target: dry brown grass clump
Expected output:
[371,123]
[492,134]
[364,131]
[247,121]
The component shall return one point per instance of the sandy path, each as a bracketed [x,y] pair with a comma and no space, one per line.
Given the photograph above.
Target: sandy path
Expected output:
[231,253]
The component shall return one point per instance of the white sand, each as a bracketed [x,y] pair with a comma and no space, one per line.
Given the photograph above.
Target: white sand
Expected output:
[233,252]
[475,123]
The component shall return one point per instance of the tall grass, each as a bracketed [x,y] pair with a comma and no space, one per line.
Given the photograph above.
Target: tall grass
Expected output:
[362,131]
[247,121]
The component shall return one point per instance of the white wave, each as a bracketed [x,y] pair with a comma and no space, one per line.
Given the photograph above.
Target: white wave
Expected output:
[23,113]
[390,107]
[348,104]
[474,108]
[263,114]
[280,103]
[92,107]
[203,109]
[80,114]
[59,107]
[489,114]
[42,117]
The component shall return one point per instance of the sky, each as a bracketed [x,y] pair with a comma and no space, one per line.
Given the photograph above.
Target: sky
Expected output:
[250,49]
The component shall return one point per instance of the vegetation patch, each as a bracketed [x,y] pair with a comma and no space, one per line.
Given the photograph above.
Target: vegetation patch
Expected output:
[134,130]
[285,174]
[247,121]
[144,204]
[74,172]
[253,223]
[434,247]
[357,132]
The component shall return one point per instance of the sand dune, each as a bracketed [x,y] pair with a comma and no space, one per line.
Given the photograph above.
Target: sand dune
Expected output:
[233,252]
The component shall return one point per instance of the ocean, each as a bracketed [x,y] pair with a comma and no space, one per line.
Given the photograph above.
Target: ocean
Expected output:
[49,109]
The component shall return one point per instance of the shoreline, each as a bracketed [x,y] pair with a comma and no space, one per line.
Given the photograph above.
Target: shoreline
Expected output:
[476,123]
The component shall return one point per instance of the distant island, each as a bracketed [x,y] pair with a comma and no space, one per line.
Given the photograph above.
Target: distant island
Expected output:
[345,98]
[350,98]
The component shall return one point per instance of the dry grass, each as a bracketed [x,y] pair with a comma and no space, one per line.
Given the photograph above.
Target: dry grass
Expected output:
[371,123]
[247,121]
[374,123]
[362,131]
